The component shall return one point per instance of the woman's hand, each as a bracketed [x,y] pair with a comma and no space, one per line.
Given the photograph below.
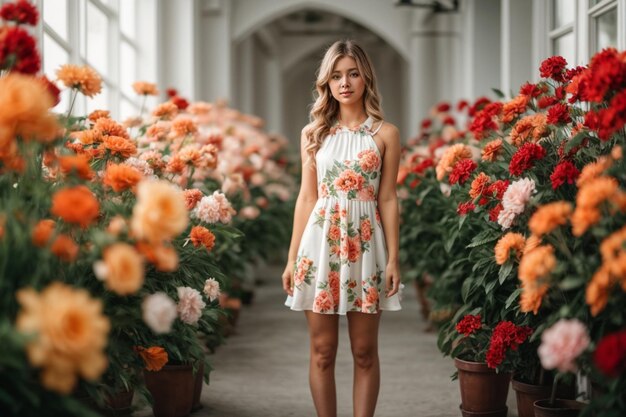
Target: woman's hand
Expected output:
[288,279]
[392,279]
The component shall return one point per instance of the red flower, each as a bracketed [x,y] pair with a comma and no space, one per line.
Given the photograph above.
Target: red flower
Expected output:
[558,114]
[52,89]
[483,122]
[443,107]
[525,158]
[180,102]
[546,101]
[171,92]
[478,106]
[607,73]
[553,67]
[461,105]
[18,51]
[20,12]
[497,188]
[530,90]
[465,208]
[495,212]
[426,123]
[506,335]
[613,118]
[564,172]
[469,324]
[462,171]
[572,72]
[449,120]
[610,355]
[423,166]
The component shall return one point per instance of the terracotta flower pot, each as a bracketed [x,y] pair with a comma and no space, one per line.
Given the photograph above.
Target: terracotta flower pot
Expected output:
[527,394]
[172,390]
[483,391]
[561,408]
[119,402]
[198,382]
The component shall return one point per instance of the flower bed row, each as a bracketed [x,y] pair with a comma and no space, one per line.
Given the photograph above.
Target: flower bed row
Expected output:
[121,244]
[519,218]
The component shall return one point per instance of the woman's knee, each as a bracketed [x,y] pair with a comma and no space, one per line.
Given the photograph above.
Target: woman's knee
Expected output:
[365,356]
[323,354]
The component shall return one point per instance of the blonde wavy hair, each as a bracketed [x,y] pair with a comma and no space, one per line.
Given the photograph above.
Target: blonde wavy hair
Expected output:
[325,108]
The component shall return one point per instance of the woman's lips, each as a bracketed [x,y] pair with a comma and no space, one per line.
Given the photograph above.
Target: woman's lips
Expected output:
[346,94]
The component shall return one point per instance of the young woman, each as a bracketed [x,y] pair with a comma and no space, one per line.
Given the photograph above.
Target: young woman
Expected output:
[343,258]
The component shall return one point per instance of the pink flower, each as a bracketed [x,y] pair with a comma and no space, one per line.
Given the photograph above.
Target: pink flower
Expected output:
[190,305]
[323,190]
[514,201]
[212,289]
[562,343]
[250,212]
[349,180]
[159,312]
[333,283]
[192,196]
[366,230]
[368,160]
[370,298]
[366,193]
[323,302]
[214,208]
[334,233]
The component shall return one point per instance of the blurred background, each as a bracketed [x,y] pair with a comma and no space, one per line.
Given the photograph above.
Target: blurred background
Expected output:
[261,55]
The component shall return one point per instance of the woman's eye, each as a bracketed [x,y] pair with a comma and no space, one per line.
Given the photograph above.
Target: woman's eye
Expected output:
[354,74]
[335,77]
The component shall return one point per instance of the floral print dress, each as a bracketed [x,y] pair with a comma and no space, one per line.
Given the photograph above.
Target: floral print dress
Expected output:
[342,255]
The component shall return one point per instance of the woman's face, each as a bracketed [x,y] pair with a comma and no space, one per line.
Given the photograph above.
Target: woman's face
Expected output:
[346,82]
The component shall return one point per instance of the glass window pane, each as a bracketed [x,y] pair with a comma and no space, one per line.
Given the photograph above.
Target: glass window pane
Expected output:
[97,39]
[100,101]
[128,69]
[562,12]
[127,18]
[55,15]
[606,30]
[565,47]
[53,56]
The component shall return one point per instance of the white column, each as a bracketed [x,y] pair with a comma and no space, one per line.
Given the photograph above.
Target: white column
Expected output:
[245,75]
[274,99]
[177,46]
[516,48]
[215,50]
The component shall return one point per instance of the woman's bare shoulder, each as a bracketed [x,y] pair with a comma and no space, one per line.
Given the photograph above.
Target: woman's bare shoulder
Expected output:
[389,132]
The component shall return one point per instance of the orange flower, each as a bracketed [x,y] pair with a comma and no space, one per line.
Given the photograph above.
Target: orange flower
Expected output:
[597,292]
[70,334]
[145,89]
[192,196]
[158,131]
[98,114]
[548,217]
[491,150]
[85,79]
[64,248]
[109,127]
[184,126]
[532,296]
[78,164]
[154,357]
[540,126]
[75,205]
[529,128]
[165,111]
[42,232]
[508,242]
[532,243]
[25,105]
[160,212]
[450,157]
[202,236]
[121,177]
[122,271]
[164,258]
[593,170]
[583,218]
[612,245]
[117,145]
[593,193]
[479,185]
[537,264]
[514,108]
[87,137]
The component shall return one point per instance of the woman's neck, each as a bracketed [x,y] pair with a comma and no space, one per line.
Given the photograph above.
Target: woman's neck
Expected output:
[351,116]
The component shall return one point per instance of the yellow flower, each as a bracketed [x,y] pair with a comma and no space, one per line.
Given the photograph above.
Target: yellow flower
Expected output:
[83,78]
[70,334]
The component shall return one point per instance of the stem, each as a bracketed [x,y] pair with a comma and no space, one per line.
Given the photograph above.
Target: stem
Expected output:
[143,105]
[75,93]
[554,386]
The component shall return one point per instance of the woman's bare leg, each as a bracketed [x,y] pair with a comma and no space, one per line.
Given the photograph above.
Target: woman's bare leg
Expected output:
[364,344]
[324,335]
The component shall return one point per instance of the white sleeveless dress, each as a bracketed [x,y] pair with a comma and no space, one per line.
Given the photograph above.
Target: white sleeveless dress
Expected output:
[342,254]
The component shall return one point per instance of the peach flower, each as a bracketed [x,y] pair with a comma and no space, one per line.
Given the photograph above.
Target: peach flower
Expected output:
[532,243]
[450,157]
[370,298]
[532,296]
[190,305]
[121,177]
[70,334]
[98,114]
[366,230]
[333,283]
[349,180]
[145,88]
[479,185]
[250,212]
[514,108]
[514,201]
[323,302]
[214,208]
[109,127]
[166,111]
[118,145]
[192,196]
[597,291]
[537,264]
[121,269]
[368,160]
[212,289]
[83,78]
[491,150]
[160,212]
[184,126]
[562,343]
[334,233]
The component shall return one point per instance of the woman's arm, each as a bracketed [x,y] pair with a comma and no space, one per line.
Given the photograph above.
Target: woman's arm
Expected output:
[388,204]
[307,198]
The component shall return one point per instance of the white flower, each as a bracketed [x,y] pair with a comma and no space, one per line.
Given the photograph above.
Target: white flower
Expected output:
[140,165]
[159,312]
[190,305]
[212,288]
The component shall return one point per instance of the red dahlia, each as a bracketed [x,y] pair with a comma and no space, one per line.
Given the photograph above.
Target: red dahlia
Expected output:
[443,107]
[495,212]
[607,73]
[461,171]
[18,51]
[558,114]
[565,172]
[20,12]
[465,208]
[525,158]
[553,67]
[530,90]
[546,101]
[506,335]
[469,324]
[426,123]
[610,355]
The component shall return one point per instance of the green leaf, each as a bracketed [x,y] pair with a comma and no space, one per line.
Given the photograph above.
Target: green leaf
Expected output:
[466,288]
[482,238]
[498,93]
[514,295]
[575,141]
[505,271]
[571,283]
